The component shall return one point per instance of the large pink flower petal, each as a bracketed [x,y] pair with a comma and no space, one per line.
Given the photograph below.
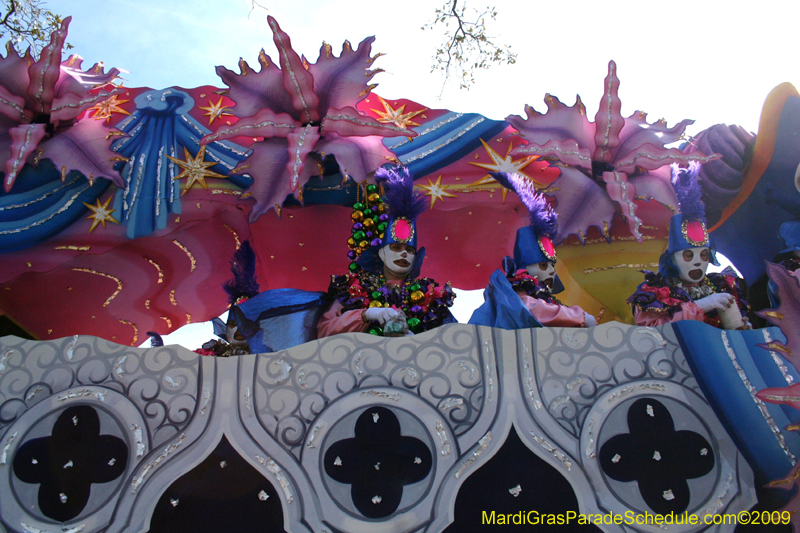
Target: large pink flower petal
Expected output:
[787,315]
[568,152]
[349,122]
[608,119]
[84,147]
[11,105]
[649,157]
[45,72]
[301,143]
[265,123]
[267,165]
[342,81]
[297,81]
[357,156]
[24,140]
[560,123]
[14,71]
[253,91]
[623,192]
[77,81]
[581,203]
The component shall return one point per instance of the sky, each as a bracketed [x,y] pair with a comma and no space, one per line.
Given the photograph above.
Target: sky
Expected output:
[707,60]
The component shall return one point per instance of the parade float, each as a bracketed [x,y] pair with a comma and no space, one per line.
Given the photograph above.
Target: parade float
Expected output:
[122,208]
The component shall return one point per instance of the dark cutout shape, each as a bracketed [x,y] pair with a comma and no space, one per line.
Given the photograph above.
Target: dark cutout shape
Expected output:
[657,457]
[224,493]
[378,462]
[68,462]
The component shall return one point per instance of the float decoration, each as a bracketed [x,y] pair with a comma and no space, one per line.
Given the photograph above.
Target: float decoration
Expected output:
[40,101]
[604,162]
[304,112]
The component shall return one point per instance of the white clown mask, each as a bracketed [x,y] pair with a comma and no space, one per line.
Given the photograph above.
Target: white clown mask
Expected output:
[545,272]
[398,258]
[692,263]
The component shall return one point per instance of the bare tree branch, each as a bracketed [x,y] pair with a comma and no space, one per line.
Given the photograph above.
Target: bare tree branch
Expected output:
[27,21]
[467,47]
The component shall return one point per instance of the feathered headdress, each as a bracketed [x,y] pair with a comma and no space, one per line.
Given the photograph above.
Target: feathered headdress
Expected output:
[405,205]
[243,286]
[534,242]
[688,228]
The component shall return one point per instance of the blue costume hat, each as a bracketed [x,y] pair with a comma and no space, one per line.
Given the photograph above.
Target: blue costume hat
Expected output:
[534,242]
[243,286]
[405,205]
[688,228]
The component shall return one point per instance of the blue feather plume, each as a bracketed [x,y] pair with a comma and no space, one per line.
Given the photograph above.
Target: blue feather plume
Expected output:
[688,191]
[243,267]
[543,218]
[402,199]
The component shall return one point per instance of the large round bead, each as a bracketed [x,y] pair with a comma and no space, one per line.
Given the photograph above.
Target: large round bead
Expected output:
[353,266]
[415,287]
[368,223]
[351,242]
[372,188]
[359,235]
[417,296]
[374,197]
[356,216]
[363,244]
[358,206]
[414,324]
[374,303]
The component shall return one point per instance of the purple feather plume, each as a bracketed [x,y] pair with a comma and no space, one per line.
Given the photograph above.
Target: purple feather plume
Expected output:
[243,267]
[688,191]
[543,218]
[401,198]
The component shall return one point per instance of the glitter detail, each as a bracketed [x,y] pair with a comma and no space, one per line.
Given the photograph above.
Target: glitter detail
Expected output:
[174,502]
[224,191]
[172,382]
[158,268]
[248,393]
[74,420]
[286,368]
[650,411]
[314,433]
[62,497]
[138,480]
[482,445]
[33,393]
[529,382]
[460,133]
[64,529]
[489,370]
[188,318]
[637,266]
[276,471]
[718,501]
[354,120]
[616,458]
[263,496]
[467,368]
[417,461]
[375,417]
[9,441]
[430,129]
[83,393]
[138,437]
[628,389]
[761,407]
[233,232]
[337,461]
[73,248]
[71,347]
[515,491]
[555,452]
[112,462]
[445,449]
[653,333]
[188,254]
[778,361]
[377,465]
[172,297]
[109,276]
[411,372]
[704,451]
[668,495]
[376,500]
[135,331]
[68,464]
[139,176]
[165,319]
[590,440]
[378,394]
[223,464]
[451,403]
[657,455]
[298,159]
[545,150]
[685,233]
[52,215]
[575,382]
[206,399]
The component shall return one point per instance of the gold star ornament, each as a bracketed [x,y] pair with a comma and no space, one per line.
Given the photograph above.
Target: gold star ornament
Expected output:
[396,116]
[436,191]
[195,170]
[101,213]
[503,164]
[214,111]
[103,110]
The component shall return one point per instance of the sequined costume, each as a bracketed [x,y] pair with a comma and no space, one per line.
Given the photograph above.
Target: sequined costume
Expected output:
[424,302]
[661,300]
